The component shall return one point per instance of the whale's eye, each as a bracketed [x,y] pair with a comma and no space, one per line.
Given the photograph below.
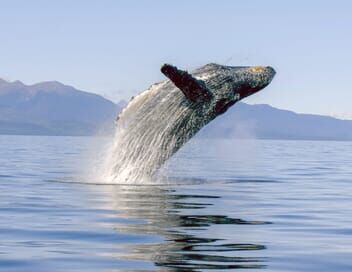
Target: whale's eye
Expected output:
[256,69]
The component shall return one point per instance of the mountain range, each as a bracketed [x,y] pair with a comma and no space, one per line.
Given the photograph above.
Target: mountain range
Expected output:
[52,108]
[266,122]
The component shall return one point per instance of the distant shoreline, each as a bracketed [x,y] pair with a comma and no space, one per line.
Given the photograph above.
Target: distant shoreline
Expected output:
[56,109]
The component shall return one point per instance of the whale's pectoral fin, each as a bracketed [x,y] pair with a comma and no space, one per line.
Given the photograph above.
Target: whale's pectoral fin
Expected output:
[194,89]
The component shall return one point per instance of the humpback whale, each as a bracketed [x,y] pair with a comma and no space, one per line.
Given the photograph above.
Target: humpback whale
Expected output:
[159,121]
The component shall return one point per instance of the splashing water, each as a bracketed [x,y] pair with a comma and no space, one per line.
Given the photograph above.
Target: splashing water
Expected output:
[145,138]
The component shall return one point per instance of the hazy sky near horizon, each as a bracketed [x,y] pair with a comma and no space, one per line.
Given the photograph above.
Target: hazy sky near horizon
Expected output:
[116,48]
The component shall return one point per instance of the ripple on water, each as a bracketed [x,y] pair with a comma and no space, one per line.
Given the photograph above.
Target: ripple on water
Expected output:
[274,205]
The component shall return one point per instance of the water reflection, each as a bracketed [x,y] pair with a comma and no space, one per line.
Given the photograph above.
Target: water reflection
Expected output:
[184,241]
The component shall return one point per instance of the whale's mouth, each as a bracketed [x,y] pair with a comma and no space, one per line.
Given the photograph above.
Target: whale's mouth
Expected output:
[246,90]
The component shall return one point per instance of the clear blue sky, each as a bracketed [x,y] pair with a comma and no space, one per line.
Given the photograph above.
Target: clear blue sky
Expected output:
[115,48]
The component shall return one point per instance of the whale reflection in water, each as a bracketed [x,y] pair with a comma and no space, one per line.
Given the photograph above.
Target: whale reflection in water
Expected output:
[181,227]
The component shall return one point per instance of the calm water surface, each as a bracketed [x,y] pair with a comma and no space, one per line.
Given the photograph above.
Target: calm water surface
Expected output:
[239,205]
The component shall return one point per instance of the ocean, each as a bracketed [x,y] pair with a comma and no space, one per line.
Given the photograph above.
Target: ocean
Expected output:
[257,205]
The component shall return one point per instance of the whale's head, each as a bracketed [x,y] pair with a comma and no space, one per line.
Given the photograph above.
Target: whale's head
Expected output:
[220,85]
[229,84]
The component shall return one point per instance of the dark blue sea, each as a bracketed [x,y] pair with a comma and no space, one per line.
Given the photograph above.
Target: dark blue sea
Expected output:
[241,205]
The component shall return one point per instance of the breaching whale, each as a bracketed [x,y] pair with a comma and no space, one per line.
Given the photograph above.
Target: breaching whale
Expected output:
[160,120]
